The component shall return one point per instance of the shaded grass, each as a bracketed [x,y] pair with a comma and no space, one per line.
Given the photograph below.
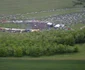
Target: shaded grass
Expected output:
[6,64]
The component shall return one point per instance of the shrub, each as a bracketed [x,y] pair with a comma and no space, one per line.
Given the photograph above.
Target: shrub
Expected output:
[80,37]
[76,49]
[69,49]
[18,52]
[41,43]
[10,51]
[3,52]
[69,40]
[35,51]
[60,48]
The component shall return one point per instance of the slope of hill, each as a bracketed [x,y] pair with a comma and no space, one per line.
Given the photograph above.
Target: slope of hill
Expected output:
[24,6]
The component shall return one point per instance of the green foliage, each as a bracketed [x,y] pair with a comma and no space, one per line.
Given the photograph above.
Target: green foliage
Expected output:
[76,49]
[3,52]
[40,43]
[79,37]
[18,52]
[61,48]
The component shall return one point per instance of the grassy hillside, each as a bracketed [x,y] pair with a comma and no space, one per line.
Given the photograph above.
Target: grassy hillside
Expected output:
[36,9]
[24,6]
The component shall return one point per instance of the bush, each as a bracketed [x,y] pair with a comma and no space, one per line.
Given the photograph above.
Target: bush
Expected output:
[69,40]
[10,51]
[70,49]
[41,43]
[60,48]
[18,52]
[35,51]
[80,37]
[3,52]
[76,49]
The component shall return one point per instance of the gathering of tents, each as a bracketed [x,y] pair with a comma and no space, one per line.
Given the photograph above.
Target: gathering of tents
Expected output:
[36,25]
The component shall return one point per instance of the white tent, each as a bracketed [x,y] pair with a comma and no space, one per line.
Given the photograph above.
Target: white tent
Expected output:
[49,23]
[57,26]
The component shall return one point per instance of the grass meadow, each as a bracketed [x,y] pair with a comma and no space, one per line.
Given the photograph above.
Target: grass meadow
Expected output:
[25,6]
[41,64]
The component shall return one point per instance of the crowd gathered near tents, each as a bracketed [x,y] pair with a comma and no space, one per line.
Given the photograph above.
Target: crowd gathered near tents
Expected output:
[52,21]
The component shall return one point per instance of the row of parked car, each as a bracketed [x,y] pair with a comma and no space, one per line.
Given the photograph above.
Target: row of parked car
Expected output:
[14,30]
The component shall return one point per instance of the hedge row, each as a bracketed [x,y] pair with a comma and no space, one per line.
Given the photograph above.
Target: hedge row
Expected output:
[40,43]
[37,50]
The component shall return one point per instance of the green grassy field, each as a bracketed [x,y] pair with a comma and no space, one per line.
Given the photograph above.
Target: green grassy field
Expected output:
[52,13]
[41,64]
[77,26]
[22,8]
[25,6]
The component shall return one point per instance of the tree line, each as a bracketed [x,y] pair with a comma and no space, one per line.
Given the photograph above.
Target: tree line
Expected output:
[40,43]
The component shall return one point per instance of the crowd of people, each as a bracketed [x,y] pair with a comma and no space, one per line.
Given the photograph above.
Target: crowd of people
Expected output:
[78,17]
[24,15]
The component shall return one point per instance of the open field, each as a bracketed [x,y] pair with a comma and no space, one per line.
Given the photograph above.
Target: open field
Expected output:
[26,6]
[48,13]
[11,64]
[36,9]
